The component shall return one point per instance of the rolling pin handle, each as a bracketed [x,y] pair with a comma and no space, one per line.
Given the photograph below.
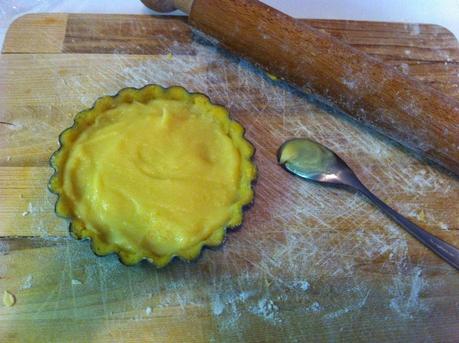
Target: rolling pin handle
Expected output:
[165,6]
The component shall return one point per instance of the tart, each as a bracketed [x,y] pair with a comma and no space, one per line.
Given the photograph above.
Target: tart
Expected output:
[153,173]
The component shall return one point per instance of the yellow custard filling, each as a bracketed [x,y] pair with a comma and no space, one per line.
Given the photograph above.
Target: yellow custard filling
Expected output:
[153,173]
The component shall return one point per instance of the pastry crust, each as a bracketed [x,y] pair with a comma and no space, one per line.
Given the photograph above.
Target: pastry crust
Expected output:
[153,173]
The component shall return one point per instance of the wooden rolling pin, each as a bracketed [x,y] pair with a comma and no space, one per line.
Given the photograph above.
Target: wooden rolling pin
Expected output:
[411,113]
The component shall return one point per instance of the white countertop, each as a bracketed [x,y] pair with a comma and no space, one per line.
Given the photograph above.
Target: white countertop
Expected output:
[442,12]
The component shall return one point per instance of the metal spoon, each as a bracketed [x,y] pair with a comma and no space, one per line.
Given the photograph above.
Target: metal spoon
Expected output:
[312,161]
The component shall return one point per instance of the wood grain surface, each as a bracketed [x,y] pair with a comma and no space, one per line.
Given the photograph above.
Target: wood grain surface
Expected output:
[309,263]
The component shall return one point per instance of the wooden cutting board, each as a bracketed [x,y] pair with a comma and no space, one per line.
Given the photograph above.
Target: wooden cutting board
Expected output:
[310,263]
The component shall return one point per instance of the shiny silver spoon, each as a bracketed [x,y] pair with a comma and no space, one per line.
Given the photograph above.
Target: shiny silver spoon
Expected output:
[312,161]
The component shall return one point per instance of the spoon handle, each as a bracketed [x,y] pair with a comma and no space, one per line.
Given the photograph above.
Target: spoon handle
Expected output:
[446,251]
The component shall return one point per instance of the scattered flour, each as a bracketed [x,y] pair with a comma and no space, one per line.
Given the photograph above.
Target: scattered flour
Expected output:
[232,301]
[217,305]
[76,282]
[352,307]
[406,301]
[30,210]
[27,282]
[443,226]
[4,248]
[148,311]
[301,285]
[314,307]
[267,310]
[351,84]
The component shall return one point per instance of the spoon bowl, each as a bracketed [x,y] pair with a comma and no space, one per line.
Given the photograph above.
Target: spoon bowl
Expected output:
[314,162]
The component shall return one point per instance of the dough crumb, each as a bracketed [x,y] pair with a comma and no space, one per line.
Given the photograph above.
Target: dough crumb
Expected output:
[272,77]
[422,216]
[25,213]
[8,299]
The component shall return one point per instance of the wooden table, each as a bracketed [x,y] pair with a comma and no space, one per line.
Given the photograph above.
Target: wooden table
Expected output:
[309,263]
